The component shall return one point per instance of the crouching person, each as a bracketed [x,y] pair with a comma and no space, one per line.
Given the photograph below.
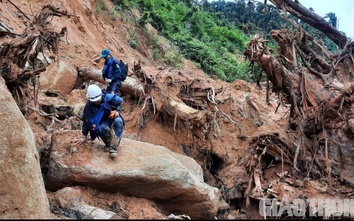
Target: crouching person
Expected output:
[102,119]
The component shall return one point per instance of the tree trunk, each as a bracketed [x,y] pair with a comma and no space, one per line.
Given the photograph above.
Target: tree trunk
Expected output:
[312,19]
[130,86]
[319,88]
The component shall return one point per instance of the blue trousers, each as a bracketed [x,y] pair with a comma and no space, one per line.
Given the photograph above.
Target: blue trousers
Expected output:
[114,86]
[105,128]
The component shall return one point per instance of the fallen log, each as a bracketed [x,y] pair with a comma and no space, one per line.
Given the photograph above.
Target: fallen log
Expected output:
[133,87]
[183,111]
[130,86]
[311,18]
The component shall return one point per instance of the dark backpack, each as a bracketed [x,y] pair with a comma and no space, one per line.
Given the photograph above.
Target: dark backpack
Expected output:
[124,69]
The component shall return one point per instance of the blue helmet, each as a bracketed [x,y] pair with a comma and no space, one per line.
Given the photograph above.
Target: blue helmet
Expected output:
[105,52]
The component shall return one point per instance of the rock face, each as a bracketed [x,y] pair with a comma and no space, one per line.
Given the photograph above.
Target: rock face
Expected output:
[22,191]
[60,76]
[142,170]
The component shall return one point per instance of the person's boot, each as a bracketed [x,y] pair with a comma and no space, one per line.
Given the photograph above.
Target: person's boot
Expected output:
[115,142]
[107,145]
[113,152]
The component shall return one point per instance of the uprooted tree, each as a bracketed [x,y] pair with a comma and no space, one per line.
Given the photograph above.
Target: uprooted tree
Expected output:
[319,88]
[19,64]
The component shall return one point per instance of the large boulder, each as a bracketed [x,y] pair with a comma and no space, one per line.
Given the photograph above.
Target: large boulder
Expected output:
[22,191]
[142,170]
[59,76]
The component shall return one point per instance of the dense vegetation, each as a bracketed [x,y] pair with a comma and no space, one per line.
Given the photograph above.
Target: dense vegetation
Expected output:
[250,17]
[215,34]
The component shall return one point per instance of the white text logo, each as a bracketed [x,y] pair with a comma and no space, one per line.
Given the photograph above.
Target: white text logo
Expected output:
[307,207]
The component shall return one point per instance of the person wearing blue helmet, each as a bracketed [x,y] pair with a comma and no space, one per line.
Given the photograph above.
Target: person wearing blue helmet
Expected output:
[111,72]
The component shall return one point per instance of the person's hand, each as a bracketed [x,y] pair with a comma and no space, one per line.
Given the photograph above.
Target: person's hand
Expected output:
[82,140]
[113,114]
[108,81]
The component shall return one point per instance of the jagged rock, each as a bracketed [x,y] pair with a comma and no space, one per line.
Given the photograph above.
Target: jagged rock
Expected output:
[69,198]
[76,202]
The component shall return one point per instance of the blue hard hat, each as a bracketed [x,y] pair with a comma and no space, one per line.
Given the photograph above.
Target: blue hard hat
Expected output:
[105,52]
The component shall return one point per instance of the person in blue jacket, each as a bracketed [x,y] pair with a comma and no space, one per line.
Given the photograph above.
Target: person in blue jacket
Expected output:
[101,113]
[111,72]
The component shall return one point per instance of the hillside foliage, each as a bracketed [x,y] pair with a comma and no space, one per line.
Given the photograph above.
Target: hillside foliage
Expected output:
[214,34]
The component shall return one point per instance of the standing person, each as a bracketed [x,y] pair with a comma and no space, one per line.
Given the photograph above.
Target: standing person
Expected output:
[111,72]
[102,113]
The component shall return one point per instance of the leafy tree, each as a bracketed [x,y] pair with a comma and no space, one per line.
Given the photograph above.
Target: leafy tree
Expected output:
[200,35]
[241,14]
[332,19]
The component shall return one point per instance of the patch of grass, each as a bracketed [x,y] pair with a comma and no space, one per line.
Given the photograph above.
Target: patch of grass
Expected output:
[114,13]
[156,54]
[132,38]
[101,5]
[173,59]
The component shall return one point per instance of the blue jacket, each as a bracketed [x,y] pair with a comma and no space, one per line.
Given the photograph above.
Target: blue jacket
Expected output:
[93,114]
[111,70]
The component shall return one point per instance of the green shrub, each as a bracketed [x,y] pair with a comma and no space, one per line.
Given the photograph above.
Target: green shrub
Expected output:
[101,5]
